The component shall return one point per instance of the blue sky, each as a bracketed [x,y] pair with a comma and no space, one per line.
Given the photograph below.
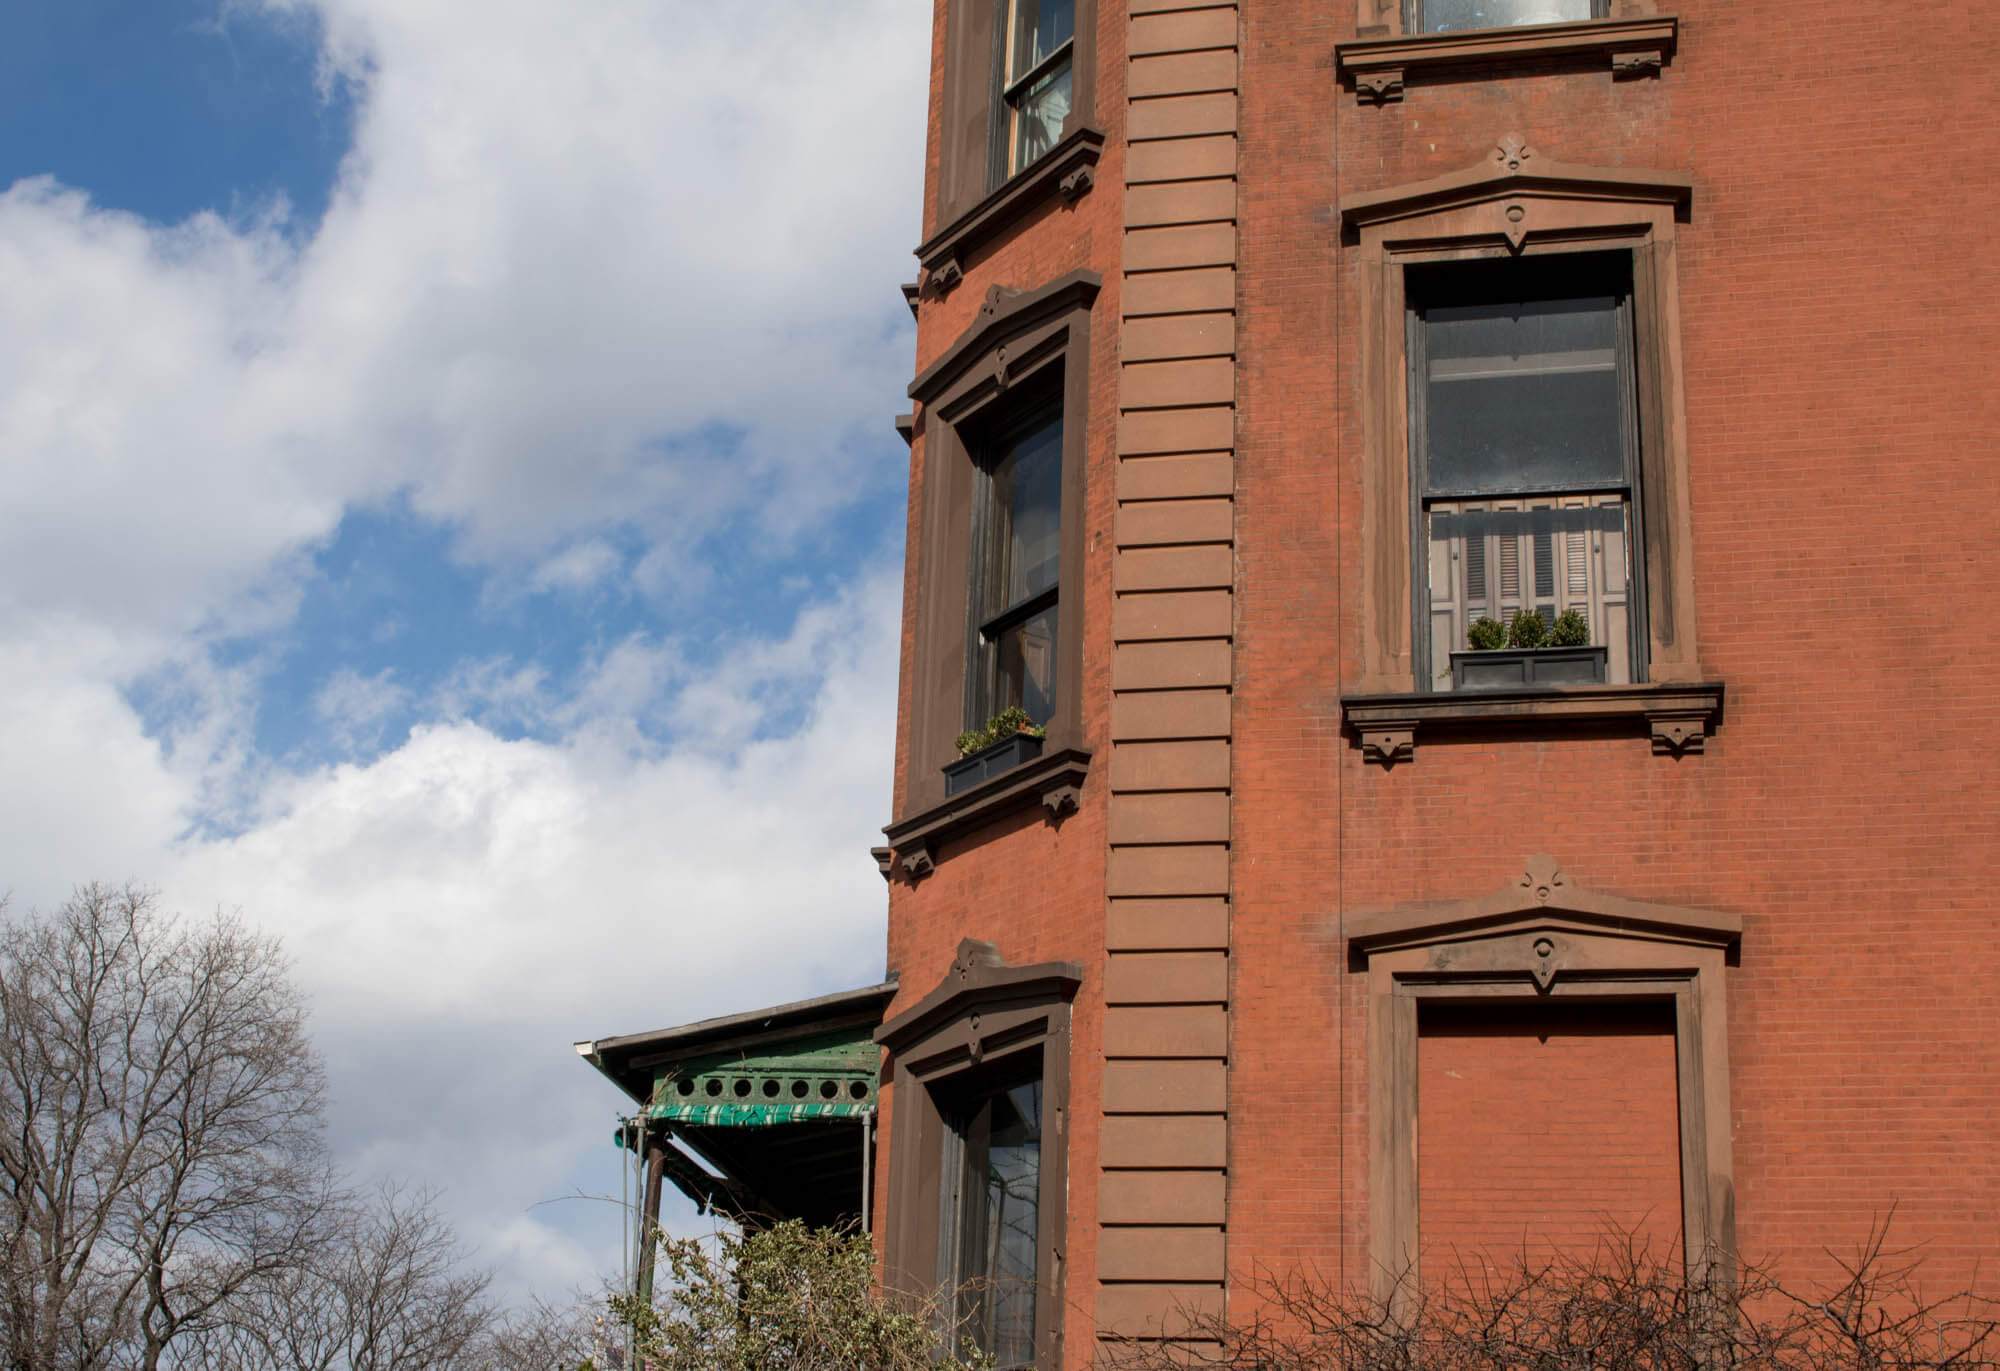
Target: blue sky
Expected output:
[452,516]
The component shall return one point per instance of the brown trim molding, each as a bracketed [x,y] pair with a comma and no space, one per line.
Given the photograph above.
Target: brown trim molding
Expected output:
[1068,169]
[1515,202]
[1004,315]
[1543,936]
[1376,68]
[982,1012]
[1056,780]
[1678,718]
[1022,343]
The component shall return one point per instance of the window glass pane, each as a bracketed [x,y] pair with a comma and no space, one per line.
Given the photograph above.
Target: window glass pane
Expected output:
[1523,396]
[1492,558]
[1027,500]
[1442,16]
[1039,115]
[1025,664]
[1013,1186]
[1040,27]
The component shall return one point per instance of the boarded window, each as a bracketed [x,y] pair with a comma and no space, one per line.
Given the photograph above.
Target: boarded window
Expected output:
[1543,1128]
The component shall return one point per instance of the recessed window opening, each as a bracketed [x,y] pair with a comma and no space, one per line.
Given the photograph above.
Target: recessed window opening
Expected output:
[1038,44]
[1016,538]
[1451,16]
[1524,448]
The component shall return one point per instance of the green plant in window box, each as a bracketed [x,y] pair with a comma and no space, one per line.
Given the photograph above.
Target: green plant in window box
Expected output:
[1570,629]
[1486,635]
[999,729]
[1527,629]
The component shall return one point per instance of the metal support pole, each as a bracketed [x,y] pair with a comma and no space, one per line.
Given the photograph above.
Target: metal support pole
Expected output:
[867,1170]
[649,1211]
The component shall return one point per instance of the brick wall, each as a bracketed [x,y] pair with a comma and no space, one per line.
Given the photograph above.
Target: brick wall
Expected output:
[1837,279]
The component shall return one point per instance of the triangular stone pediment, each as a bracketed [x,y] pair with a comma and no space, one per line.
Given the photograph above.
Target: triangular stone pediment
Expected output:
[1541,899]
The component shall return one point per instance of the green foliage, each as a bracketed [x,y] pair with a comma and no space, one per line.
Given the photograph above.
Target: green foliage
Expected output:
[1527,629]
[1486,634]
[786,1299]
[1571,630]
[999,729]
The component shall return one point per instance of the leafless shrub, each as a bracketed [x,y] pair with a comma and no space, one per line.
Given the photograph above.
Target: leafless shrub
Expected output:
[1622,1308]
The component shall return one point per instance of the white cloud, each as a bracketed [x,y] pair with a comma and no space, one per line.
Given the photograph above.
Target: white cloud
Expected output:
[601,276]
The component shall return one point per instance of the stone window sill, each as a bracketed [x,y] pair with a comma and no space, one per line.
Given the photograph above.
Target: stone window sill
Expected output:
[1678,717]
[1053,780]
[1378,67]
[1067,169]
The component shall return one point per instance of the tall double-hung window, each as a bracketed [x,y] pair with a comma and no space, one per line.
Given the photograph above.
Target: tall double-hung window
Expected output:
[1017,530]
[1035,76]
[1525,451]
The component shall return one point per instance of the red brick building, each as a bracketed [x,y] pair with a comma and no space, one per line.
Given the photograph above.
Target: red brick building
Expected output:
[1265,347]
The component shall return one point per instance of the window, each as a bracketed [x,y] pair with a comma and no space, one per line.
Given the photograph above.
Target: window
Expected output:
[1520,231]
[1451,16]
[979,1073]
[1542,940]
[1014,127]
[993,1162]
[1035,82]
[1017,526]
[1524,455]
[998,469]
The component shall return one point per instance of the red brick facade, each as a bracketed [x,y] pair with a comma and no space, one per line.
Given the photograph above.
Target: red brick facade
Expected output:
[1834,326]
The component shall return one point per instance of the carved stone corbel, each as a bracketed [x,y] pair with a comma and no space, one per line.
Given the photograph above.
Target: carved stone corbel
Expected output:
[937,282]
[918,862]
[1062,801]
[1637,62]
[1379,87]
[1677,734]
[1076,185]
[885,860]
[1390,744]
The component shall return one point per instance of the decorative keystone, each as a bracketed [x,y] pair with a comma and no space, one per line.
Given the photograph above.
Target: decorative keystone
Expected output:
[1543,878]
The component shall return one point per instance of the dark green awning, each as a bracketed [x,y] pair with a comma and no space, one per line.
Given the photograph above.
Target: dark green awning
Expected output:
[774,1101]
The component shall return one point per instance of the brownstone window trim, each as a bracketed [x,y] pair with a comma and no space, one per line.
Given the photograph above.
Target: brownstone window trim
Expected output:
[1543,936]
[1065,170]
[1019,342]
[973,201]
[983,1014]
[1377,67]
[1518,203]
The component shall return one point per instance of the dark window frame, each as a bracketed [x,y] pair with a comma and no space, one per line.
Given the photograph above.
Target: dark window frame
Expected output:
[1429,285]
[1025,347]
[974,156]
[984,1021]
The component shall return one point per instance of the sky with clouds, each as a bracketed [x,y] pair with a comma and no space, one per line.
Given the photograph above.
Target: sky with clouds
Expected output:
[449,513]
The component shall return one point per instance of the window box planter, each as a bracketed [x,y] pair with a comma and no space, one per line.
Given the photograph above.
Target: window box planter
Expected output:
[989,762]
[1513,668]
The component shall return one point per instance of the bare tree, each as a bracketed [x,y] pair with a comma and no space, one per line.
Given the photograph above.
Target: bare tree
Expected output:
[388,1289]
[160,1128]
